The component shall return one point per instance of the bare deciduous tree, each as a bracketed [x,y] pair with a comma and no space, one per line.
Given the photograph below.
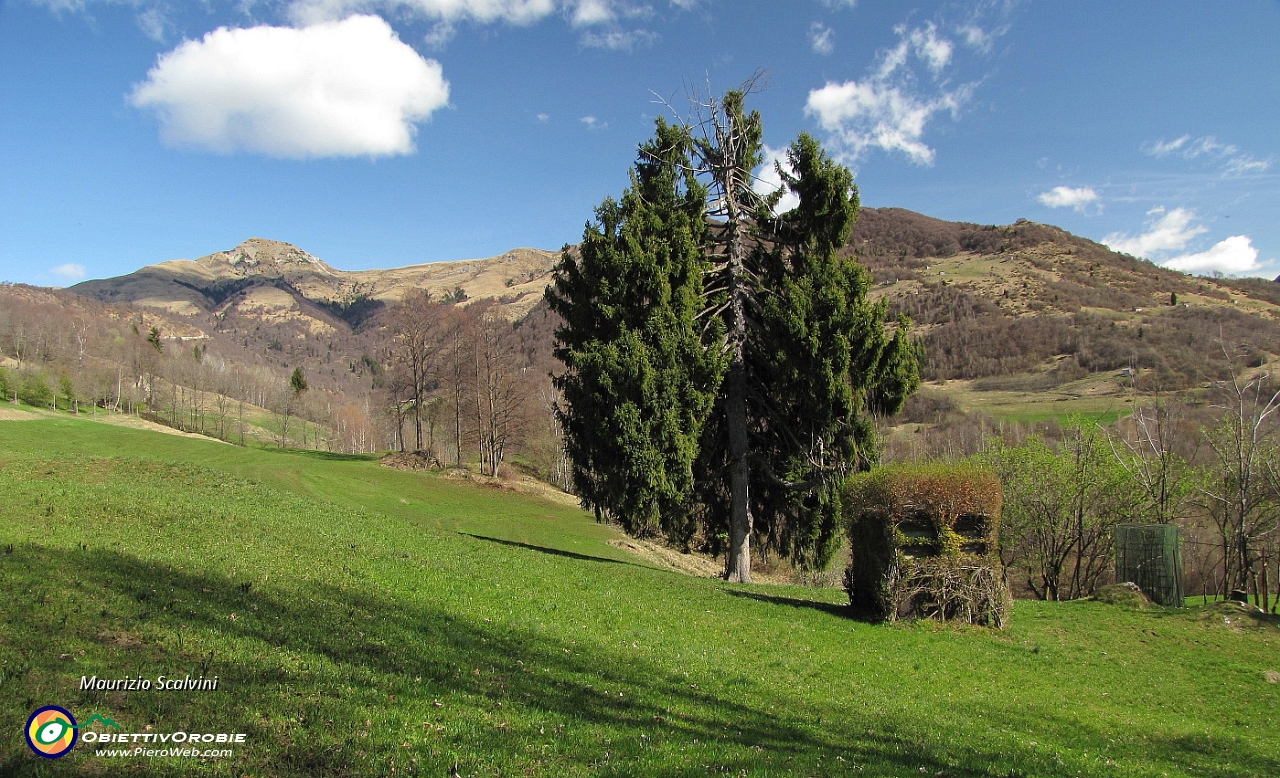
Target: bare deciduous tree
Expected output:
[1239,489]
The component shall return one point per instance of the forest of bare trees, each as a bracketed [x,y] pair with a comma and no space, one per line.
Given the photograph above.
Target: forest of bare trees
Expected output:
[444,376]
[461,382]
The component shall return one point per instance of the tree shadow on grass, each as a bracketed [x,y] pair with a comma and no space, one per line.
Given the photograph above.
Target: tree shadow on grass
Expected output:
[552,551]
[835,609]
[329,678]
[324,456]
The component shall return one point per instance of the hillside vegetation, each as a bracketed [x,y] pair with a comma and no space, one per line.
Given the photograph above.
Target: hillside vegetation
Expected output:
[1023,308]
[367,621]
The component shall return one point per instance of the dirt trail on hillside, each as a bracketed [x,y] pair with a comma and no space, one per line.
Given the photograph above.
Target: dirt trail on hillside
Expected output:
[133,422]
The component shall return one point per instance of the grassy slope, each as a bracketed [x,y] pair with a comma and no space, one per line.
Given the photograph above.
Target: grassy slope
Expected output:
[363,620]
[1096,398]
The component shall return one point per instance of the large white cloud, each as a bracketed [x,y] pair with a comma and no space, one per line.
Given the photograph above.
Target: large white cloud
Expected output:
[1069,197]
[334,89]
[1233,255]
[889,110]
[873,113]
[1168,231]
[1172,231]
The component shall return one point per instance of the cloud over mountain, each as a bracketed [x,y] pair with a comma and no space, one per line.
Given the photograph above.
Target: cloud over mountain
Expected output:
[1168,231]
[348,88]
[1069,197]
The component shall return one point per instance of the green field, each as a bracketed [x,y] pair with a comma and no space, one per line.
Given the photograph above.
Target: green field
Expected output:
[365,621]
[1095,399]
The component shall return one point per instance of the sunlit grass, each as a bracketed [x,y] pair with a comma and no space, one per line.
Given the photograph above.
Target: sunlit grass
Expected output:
[363,621]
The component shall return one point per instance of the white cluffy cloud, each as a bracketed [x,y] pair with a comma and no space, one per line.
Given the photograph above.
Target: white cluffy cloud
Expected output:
[519,12]
[600,20]
[822,39]
[874,114]
[618,40]
[1170,231]
[335,89]
[1166,231]
[1233,255]
[886,110]
[1068,197]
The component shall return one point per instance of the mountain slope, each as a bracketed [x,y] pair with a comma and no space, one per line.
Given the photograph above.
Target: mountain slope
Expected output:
[993,301]
[987,300]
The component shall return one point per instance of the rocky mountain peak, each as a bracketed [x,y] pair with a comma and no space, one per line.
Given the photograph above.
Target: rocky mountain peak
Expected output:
[262,255]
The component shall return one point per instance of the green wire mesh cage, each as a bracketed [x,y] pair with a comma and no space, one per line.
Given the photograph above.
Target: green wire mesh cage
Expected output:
[1148,555]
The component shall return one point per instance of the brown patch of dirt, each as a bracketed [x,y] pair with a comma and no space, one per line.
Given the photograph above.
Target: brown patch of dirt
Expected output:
[669,558]
[120,639]
[16,414]
[521,484]
[1271,675]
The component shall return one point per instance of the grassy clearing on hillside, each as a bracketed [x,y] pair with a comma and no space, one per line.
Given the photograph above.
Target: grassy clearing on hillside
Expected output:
[1094,398]
[365,621]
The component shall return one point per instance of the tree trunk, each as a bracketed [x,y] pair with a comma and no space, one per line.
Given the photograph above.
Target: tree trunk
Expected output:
[739,563]
[417,420]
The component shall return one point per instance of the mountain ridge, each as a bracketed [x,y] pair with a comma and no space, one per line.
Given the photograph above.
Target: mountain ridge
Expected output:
[986,300]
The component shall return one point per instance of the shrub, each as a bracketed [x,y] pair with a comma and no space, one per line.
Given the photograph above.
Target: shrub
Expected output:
[926,407]
[34,390]
[924,544]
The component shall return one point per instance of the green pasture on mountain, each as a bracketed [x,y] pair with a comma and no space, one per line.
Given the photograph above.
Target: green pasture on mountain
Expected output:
[366,621]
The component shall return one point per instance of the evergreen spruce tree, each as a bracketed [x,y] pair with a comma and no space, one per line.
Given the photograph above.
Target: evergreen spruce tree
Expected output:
[640,375]
[812,361]
[779,351]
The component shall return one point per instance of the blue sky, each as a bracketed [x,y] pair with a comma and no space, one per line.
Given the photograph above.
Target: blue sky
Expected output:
[380,133]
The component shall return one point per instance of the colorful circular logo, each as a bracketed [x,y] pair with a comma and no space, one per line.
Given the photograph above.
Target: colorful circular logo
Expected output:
[51,731]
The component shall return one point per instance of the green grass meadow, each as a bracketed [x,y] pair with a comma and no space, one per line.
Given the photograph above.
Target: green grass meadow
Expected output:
[364,621]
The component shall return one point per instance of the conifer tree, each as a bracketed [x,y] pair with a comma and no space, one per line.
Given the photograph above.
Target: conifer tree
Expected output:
[640,375]
[811,359]
[779,350]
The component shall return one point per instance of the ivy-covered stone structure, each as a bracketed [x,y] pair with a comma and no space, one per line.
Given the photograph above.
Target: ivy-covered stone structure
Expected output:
[924,544]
